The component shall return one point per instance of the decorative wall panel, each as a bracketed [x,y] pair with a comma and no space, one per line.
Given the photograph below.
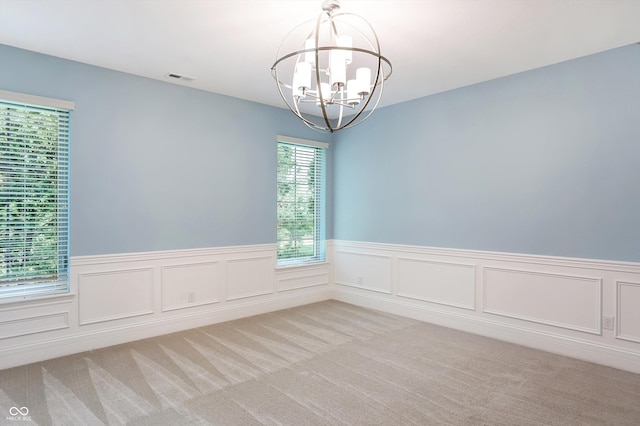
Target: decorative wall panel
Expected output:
[250,276]
[363,270]
[628,297]
[302,277]
[566,301]
[191,284]
[33,325]
[115,294]
[445,283]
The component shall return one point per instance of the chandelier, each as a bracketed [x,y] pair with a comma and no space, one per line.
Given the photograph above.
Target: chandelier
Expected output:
[329,71]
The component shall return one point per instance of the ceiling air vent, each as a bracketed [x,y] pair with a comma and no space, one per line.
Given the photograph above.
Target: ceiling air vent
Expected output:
[185,78]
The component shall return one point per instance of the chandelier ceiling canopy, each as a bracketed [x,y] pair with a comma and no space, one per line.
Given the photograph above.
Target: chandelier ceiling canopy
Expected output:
[329,71]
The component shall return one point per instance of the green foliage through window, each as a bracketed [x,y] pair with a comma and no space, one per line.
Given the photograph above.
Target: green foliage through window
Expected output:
[300,233]
[33,200]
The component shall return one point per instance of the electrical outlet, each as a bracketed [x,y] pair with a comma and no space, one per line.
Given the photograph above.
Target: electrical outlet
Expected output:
[191,297]
[360,280]
[608,323]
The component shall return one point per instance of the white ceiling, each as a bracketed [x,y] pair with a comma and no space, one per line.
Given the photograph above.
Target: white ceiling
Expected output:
[228,46]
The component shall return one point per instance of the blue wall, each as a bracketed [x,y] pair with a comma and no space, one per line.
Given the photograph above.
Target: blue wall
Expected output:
[543,162]
[157,166]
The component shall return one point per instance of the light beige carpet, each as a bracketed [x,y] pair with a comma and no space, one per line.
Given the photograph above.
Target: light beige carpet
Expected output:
[327,363]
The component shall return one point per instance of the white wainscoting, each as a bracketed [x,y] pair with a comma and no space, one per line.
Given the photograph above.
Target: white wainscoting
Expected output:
[109,295]
[550,303]
[310,275]
[369,271]
[250,277]
[542,297]
[628,314]
[185,285]
[125,297]
[446,283]
[34,324]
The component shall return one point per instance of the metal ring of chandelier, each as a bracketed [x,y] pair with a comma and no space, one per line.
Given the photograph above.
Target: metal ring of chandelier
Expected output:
[334,85]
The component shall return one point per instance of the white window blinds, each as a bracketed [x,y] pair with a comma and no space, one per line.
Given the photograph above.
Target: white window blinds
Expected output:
[301,201]
[34,196]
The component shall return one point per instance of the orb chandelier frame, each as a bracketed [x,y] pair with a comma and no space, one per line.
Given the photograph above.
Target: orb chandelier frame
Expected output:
[331,85]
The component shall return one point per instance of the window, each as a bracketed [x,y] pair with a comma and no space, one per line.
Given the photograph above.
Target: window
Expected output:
[301,201]
[34,195]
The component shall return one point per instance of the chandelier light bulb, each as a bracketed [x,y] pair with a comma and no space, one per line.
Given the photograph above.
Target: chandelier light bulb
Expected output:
[329,71]
[338,68]
[363,77]
[302,77]
[347,42]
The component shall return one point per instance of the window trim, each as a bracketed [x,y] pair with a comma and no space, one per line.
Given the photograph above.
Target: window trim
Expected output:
[47,291]
[321,257]
[37,101]
[303,142]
